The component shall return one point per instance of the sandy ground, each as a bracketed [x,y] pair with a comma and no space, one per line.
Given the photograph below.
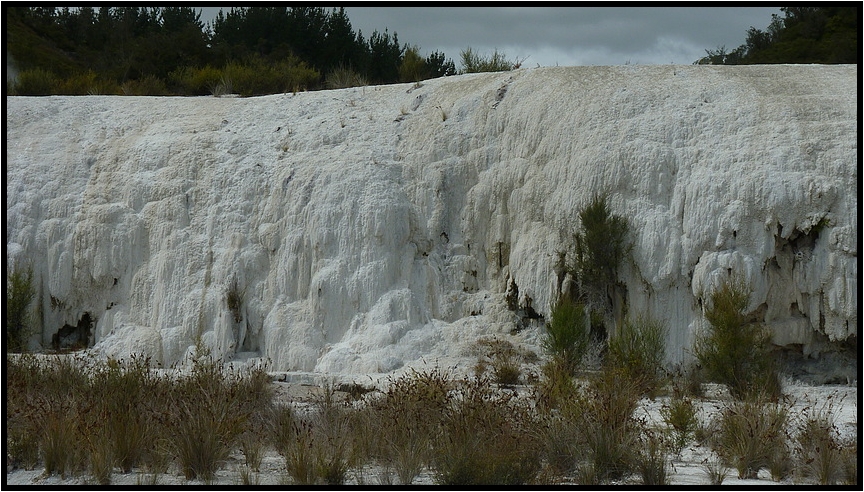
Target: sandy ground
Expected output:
[688,470]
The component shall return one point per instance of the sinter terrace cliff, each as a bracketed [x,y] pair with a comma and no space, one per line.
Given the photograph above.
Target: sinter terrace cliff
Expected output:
[372,227]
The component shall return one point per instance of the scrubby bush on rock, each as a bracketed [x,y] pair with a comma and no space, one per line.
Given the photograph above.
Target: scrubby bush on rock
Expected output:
[733,351]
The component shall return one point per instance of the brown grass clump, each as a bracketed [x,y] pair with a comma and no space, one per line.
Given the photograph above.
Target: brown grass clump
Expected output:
[749,433]
[78,414]
[819,450]
[486,438]
[607,425]
[211,407]
[504,358]
[405,419]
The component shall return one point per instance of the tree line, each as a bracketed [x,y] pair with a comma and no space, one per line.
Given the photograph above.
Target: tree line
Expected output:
[265,50]
[169,50]
[801,35]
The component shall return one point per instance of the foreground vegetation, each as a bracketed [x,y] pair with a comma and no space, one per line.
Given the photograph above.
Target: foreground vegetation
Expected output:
[78,417]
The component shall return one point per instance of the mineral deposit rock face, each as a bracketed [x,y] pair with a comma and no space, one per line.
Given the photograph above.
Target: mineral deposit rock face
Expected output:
[359,230]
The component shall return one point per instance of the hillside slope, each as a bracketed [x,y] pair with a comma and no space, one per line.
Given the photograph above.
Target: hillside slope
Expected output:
[369,228]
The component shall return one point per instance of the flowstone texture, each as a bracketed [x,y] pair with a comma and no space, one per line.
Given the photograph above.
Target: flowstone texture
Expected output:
[370,228]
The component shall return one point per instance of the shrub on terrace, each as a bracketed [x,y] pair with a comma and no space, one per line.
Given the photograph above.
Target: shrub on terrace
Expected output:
[732,351]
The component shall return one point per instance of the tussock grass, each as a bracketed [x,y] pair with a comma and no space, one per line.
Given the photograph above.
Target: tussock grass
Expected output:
[504,358]
[715,470]
[556,385]
[749,433]
[593,432]
[486,438]
[74,416]
[211,408]
[80,414]
[652,463]
[818,448]
[405,419]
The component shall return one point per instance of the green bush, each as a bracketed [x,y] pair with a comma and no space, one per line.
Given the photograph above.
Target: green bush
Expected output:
[567,334]
[734,352]
[35,82]
[601,247]
[149,85]
[256,77]
[19,296]
[638,349]
[294,76]
[680,415]
[413,66]
[191,81]
[473,62]
[77,84]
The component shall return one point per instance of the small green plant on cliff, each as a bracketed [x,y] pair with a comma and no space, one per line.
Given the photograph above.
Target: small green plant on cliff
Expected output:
[19,295]
[234,298]
[733,351]
[601,247]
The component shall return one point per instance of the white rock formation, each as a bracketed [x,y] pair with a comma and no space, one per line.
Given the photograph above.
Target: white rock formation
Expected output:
[374,227]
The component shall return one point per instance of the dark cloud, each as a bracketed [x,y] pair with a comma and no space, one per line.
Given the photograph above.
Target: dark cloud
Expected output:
[565,35]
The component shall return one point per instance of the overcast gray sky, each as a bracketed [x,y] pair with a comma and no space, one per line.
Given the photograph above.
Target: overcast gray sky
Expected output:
[564,36]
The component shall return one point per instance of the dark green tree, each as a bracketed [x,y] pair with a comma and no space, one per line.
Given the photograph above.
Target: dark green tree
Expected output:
[601,247]
[341,46]
[802,35]
[385,57]
[134,50]
[439,66]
